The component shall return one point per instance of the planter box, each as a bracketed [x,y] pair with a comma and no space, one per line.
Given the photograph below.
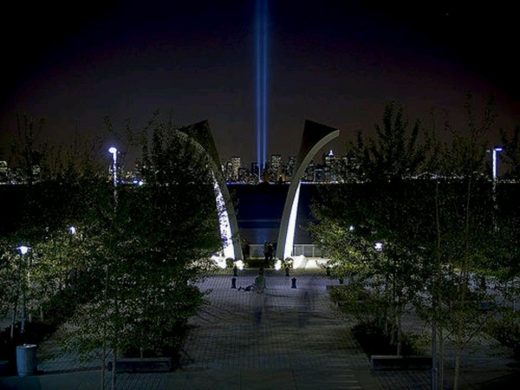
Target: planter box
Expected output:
[396,362]
[154,364]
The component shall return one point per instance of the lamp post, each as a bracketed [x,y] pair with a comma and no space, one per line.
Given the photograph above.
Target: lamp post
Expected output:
[113,151]
[23,250]
[108,268]
[495,150]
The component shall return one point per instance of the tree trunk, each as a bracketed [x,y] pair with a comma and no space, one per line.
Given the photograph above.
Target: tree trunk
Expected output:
[13,320]
[441,358]
[105,320]
[114,362]
[457,369]
[435,369]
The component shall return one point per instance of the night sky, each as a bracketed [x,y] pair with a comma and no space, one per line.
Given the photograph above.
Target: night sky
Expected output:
[330,62]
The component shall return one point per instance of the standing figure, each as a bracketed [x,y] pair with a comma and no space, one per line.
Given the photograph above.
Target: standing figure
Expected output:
[246,249]
[268,253]
[258,297]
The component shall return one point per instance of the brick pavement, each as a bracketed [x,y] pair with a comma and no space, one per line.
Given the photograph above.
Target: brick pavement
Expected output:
[300,343]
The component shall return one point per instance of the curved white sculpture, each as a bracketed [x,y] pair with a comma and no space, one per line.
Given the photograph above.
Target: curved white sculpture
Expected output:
[315,136]
[201,134]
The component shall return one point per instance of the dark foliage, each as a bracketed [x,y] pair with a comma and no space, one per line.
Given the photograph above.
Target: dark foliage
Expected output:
[375,340]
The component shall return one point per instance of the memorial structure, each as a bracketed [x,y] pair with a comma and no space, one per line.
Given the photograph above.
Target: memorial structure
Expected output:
[315,136]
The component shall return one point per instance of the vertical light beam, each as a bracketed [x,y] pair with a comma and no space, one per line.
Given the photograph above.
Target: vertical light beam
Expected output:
[264,83]
[261,85]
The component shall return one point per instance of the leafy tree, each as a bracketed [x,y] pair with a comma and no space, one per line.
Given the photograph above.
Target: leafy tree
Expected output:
[147,245]
[511,153]
[379,208]
[431,205]
[463,226]
[131,266]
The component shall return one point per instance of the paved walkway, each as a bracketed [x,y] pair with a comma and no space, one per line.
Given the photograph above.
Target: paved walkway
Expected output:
[300,342]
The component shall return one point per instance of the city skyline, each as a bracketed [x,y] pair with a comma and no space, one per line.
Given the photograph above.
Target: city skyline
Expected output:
[335,64]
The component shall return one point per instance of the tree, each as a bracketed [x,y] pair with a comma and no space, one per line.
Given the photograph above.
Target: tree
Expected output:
[430,204]
[148,245]
[463,226]
[511,154]
[379,207]
[131,265]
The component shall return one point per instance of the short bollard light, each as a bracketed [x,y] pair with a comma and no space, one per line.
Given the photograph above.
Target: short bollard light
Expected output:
[328,271]
[235,270]
[293,283]
[234,283]
[286,270]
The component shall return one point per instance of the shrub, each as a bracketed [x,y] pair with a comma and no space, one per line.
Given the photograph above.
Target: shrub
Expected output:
[376,339]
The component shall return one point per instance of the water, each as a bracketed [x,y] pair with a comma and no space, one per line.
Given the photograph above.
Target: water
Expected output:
[260,208]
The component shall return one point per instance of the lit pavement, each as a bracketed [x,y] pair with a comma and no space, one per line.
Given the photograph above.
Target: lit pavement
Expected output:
[300,343]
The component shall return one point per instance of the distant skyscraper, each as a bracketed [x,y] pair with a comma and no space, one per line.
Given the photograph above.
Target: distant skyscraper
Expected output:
[243,175]
[275,167]
[291,162]
[329,162]
[309,172]
[255,169]
[3,172]
[235,166]
[328,159]
[227,170]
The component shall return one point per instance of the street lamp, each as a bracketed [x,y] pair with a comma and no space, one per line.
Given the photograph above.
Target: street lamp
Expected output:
[23,250]
[113,151]
[496,149]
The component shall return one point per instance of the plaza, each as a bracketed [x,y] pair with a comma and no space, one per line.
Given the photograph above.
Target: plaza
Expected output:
[298,344]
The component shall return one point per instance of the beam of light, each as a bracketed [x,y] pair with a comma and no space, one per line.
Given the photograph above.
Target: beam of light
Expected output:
[264,84]
[261,85]
[257,112]
[287,251]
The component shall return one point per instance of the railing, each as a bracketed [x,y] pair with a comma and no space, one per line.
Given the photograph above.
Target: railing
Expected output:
[307,250]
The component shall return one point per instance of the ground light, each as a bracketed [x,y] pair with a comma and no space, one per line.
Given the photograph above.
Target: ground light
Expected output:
[278,265]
